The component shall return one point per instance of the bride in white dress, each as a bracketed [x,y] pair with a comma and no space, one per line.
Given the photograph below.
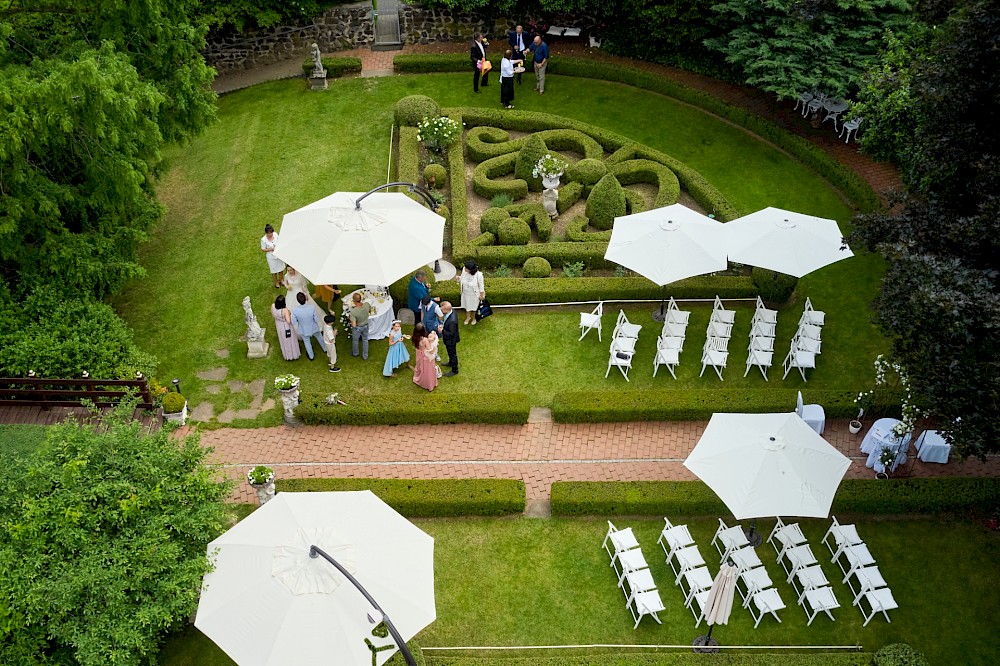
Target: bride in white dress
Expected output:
[296,283]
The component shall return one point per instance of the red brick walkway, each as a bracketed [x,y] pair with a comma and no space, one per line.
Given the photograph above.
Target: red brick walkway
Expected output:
[537,453]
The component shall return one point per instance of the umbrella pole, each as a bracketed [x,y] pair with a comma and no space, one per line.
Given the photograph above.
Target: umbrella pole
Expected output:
[662,314]
[753,536]
[316,551]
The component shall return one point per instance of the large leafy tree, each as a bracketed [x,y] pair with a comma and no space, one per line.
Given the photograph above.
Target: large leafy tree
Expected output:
[89,91]
[933,108]
[103,537]
[791,46]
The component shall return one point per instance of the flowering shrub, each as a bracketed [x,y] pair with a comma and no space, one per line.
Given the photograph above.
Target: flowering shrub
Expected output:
[438,133]
[910,412]
[550,166]
[285,382]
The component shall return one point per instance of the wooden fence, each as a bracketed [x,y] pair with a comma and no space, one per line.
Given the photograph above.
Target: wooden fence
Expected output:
[48,393]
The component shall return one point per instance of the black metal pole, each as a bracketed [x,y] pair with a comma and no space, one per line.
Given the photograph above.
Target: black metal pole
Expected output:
[315,551]
[412,187]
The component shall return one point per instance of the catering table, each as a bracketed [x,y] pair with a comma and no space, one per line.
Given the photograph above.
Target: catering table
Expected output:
[879,436]
[380,322]
[932,448]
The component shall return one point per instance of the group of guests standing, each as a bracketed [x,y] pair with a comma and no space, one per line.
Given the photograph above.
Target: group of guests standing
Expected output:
[521,48]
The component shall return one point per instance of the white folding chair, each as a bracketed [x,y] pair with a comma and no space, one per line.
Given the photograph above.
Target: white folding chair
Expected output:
[761,343]
[745,559]
[879,601]
[851,126]
[795,558]
[620,357]
[853,558]
[672,329]
[801,360]
[698,580]
[811,315]
[624,328]
[810,331]
[762,359]
[667,356]
[672,342]
[868,578]
[754,581]
[814,415]
[842,536]
[718,329]
[763,314]
[699,599]
[673,537]
[684,559]
[810,578]
[628,560]
[592,320]
[818,600]
[785,536]
[639,580]
[675,314]
[620,540]
[720,313]
[714,355]
[728,539]
[645,603]
[801,343]
[763,329]
[765,601]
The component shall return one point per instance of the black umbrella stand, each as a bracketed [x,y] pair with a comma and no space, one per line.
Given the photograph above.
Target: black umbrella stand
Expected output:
[661,314]
[706,644]
[753,536]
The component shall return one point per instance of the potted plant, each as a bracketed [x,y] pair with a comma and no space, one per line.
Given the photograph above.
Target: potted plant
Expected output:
[261,478]
[287,382]
[288,386]
[175,408]
[886,457]
[864,402]
[549,168]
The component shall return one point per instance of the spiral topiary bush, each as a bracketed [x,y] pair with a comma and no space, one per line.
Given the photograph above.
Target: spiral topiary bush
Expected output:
[533,150]
[492,219]
[412,109]
[605,203]
[536,267]
[514,231]
[438,172]
[587,171]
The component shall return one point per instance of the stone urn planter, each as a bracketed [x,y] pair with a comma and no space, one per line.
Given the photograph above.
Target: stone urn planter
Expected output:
[261,479]
[550,182]
[854,426]
[288,387]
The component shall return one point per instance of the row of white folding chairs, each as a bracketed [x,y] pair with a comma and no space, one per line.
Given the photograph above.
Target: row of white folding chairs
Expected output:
[623,341]
[715,352]
[759,597]
[670,344]
[641,597]
[804,572]
[851,554]
[760,351]
[690,573]
[807,343]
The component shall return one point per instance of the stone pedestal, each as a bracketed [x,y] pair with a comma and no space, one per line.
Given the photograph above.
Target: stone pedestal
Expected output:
[290,400]
[257,348]
[549,199]
[265,491]
[318,81]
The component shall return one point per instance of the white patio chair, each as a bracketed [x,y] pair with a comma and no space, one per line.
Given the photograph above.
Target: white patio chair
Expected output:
[762,359]
[672,342]
[810,578]
[699,600]
[800,343]
[853,558]
[628,560]
[765,601]
[619,539]
[619,358]
[624,328]
[761,343]
[785,536]
[868,578]
[818,600]
[753,582]
[592,320]
[673,537]
[801,360]
[675,314]
[745,559]
[815,104]
[639,580]
[764,314]
[720,313]
[811,315]
[728,539]
[795,558]
[879,601]
[851,126]
[645,603]
[716,359]
[672,329]
[814,415]
[803,100]
[666,356]
[810,331]
[763,329]
[684,559]
[697,580]
[841,536]
[718,329]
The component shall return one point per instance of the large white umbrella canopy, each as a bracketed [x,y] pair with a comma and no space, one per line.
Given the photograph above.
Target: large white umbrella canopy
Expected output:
[668,244]
[267,603]
[768,465]
[785,241]
[332,241]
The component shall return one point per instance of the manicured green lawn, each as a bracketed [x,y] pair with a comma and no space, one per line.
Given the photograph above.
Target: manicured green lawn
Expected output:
[278,147]
[534,582]
[17,441]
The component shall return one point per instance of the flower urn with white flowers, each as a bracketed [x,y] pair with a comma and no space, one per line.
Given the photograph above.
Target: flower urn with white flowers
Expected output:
[261,479]
[549,168]
[288,385]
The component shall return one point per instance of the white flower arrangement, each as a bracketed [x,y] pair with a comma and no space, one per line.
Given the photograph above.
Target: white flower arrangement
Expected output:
[549,166]
[910,412]
[438,133]
[260,475]
[334,399]
[887,456]
[285,382]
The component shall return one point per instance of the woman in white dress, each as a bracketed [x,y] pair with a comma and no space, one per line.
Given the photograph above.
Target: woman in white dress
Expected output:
[296,283]
[473,290]
[267,244]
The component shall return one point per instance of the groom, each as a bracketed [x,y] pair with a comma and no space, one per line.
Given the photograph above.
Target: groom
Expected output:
[450,337]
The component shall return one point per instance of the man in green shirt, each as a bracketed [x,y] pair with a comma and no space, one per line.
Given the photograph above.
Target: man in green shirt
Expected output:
[359,326]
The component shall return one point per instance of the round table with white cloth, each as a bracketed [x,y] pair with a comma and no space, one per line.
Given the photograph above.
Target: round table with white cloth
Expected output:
[932,447]
[880,436]
[380,321]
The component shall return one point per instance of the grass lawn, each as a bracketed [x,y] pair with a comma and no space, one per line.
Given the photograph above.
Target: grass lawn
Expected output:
[278,147]
[18,441]
[534,582]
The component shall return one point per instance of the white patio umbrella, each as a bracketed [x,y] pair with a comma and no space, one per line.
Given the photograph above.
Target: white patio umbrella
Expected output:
[336,241]
[785,241]
[268,603]
[719,605]
[768,465]
[668,244]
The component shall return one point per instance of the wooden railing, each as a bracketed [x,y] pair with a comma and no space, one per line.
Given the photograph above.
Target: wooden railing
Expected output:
[48,393]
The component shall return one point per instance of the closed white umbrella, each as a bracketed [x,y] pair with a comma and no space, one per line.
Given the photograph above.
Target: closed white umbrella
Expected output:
[336,241]
[268,603]
[719,606]
[785,241]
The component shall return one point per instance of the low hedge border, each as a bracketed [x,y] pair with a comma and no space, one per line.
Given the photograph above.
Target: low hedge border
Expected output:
[420,408]
[625,658]
[576,231]
[485,142]
[535,216]
[700,404]
[408,166]
[668,188]
[694,498]
[483,176]
[426,498]
[335,66]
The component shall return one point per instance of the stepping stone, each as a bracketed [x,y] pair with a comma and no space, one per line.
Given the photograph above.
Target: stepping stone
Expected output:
[540,415]
[222,353]
[256,388]
[213,375]
[203,412]
[214,389]
[235,385]
[538,508]
[227,416]
[267,406]
[247,414]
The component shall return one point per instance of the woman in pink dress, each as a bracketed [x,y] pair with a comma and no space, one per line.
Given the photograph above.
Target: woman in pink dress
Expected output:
[425,370]
[287,337]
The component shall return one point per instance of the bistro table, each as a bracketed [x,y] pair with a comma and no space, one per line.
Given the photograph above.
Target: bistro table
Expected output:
[932,448]
[833,108]
[380,321]
[880,436]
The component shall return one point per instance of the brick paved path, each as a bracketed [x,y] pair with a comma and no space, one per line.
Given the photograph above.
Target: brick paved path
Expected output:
[537,453]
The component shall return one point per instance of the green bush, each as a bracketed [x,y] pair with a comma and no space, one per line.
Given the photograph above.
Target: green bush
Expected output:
[630,172]
[487,142]
[634,202]
[424,63]
[438,173]
[569,194]
[483,240]
[928,496]
[412,109]
[605,203]
[501,201]
[408,166]
[443,211]
[514,231]
[173,403]
[534,215]
[772,286]
[576,231]
[491,219]
[430,408]
[335,66]
[899,654]
[503,271]
[483,175]
[573,140]
[420,498]
[531,151]
[574,269]
[536,267]
[587,171]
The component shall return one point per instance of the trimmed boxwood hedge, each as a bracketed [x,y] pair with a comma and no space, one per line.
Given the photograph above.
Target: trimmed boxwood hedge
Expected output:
[335,66]
[419,408]
[415,498]
[412,109]
[631,172]
[491,219]
[634,202]
[625,658]
[605,203]
[694,498]
[535,216]
[698,404]
[587,171]
[439,173]
[485,142]
[408,165]
[514,231]
[484,173]
[536,267]
[532,149]
[576,231]
[569,194]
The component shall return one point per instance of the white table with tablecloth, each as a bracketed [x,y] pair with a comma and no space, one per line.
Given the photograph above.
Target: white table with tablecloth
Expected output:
[380,321]
[880,436]
[932,447]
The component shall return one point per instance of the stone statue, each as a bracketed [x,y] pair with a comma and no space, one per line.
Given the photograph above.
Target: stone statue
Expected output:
[317,57]
[257,347]
[549,199]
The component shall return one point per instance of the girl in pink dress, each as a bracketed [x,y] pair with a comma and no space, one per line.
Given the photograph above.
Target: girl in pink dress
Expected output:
[425,371]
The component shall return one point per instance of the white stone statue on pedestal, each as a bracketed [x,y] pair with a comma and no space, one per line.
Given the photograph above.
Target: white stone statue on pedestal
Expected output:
[256,346]
[290,400]
[549,199]
[318,70]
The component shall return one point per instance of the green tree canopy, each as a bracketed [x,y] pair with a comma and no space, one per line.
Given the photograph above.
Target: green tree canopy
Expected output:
[103,537]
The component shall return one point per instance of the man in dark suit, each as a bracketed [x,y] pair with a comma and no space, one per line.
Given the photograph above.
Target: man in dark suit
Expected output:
[451,337]
[477,52]
[518,44]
